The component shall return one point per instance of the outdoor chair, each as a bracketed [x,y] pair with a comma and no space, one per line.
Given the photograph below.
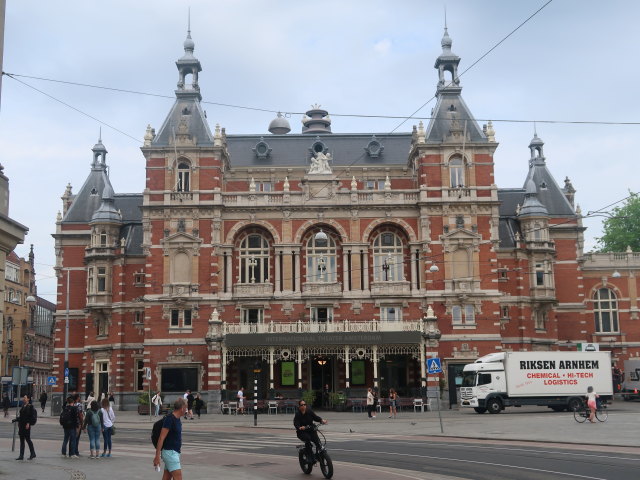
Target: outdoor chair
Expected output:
[273,407]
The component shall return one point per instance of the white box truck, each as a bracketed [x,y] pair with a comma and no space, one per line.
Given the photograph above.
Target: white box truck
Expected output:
[558,380]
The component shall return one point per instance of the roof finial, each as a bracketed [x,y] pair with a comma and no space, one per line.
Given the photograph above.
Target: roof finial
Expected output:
[445,17]
[535,130]
[100,135]
[189,21]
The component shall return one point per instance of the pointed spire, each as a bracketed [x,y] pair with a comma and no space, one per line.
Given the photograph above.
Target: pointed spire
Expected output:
[99,154]
[447,62]
[188,65]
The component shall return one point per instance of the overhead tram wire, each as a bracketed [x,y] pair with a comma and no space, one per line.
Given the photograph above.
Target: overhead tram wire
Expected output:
[73,108]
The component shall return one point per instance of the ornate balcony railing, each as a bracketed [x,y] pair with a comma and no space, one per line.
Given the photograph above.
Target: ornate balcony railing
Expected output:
[390,288]
[342,326]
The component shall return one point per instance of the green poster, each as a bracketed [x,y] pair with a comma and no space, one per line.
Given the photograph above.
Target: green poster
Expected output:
[357,372]
[288,374]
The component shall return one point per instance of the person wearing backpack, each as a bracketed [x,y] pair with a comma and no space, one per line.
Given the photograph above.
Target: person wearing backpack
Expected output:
[26,419]
[170,441]
[69,422]
[94,425]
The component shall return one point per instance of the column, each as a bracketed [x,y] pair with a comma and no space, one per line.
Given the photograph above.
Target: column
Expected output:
[299,359]
[271,372]
[346,366]
[423,369]
[223,376]
[228,271]
[366,271]
[297,270]
[414,271]
[375,366]
[276,259]
[345,271]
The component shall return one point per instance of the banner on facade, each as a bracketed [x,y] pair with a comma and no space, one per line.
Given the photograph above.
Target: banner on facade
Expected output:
[288,374]
[326,338]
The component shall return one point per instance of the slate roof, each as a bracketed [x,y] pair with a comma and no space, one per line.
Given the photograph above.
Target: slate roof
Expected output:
[294,149]
[549,193]
[451,107]
[189,110]
[89,197]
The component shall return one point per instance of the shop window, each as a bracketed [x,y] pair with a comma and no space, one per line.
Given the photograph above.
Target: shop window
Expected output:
[179,379]
[139,375]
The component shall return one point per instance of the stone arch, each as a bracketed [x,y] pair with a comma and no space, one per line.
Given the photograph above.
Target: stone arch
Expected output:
[318,223]
[399,223]
[235,230]
[182,159]
[603,284]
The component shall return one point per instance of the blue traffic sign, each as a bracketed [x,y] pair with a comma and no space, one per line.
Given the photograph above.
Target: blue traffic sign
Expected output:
[66,372]
[434,365]
[52,380]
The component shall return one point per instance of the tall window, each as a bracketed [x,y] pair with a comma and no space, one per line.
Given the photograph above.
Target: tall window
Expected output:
[90,281]
[456,172]
[456,314]
[321,260]
[539,275]
[387,258]
[254,259]
[102,279]
[469,314]
[605,311]
[103,238]
[183,183]
[140,371]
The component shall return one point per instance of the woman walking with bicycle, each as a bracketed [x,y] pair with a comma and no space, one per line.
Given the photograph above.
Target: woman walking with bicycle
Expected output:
[592,403]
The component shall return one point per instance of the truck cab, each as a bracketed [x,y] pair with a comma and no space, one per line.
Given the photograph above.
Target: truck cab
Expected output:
[483,384]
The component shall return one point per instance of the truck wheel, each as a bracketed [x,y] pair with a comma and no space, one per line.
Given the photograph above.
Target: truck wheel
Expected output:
[574,404]
[494,406]
[479,409]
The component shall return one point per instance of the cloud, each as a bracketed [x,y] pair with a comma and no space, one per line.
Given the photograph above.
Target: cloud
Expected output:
[382,47]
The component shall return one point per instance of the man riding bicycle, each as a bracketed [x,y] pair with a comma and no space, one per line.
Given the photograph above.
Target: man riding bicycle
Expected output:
[302,420]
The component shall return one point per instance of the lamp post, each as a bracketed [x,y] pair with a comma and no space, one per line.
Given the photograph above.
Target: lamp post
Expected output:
[66,346]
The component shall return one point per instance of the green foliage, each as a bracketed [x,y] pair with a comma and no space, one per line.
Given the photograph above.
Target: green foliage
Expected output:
[337,398]
[622,230]
[309,396]
[143,398]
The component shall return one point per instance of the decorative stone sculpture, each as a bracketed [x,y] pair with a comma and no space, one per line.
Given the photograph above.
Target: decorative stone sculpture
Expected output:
[320,163]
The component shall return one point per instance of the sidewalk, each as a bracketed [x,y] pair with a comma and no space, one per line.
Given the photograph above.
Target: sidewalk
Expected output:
[525,424]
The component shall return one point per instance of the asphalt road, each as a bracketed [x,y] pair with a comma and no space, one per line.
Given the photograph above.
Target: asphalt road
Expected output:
[272,452]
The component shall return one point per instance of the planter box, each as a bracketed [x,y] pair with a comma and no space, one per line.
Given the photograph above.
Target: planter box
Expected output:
[143,409]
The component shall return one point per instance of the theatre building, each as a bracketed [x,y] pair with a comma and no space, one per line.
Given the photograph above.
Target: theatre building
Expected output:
[316,258]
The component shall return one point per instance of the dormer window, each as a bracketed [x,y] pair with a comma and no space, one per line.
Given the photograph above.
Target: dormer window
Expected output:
[262,149]
[183,181]
[374,148]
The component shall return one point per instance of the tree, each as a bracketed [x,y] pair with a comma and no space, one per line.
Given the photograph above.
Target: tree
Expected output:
[622,229]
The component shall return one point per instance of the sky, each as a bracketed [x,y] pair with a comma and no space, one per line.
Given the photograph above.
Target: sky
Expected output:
[576,60]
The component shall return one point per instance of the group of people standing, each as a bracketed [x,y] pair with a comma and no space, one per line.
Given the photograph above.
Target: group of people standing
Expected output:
[372,403]
[97,419]
[194,404]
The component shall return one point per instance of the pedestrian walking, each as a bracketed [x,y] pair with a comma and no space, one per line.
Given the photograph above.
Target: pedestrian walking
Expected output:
[170,442]
[6,404]
[198,404]
[80,409]
[109,417]
[94,425]
[370,400]
[112,400]
[69,420]
[87,402]
[240,397]
[157,403]
[43,400]
[190,400]
[26,419]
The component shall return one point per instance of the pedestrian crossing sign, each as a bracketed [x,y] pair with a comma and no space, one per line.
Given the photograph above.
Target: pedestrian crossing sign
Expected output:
[434,365]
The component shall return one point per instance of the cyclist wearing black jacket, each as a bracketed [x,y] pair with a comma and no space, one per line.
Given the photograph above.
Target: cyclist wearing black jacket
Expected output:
[302,420]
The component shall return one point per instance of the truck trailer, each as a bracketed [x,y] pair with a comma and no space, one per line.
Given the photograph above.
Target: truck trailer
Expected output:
[558,380]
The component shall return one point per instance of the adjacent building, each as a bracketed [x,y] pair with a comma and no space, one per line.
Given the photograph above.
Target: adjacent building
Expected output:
[319,258]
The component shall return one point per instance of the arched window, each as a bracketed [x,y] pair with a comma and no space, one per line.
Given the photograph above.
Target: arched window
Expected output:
[387,258]
[321,260]
[456,172]
[605,311]
[183,183]
[254,259]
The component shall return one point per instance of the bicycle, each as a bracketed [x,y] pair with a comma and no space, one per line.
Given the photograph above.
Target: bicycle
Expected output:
[320,456]
[582,413]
